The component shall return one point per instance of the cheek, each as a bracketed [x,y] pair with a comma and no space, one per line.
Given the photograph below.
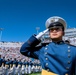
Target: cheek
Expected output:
[61,34]
[51,35]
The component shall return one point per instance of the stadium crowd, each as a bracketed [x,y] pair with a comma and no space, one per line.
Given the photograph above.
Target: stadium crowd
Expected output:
[12,62]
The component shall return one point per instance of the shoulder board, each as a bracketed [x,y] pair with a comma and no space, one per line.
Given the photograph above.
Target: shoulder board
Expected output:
[42,44]
[70,44]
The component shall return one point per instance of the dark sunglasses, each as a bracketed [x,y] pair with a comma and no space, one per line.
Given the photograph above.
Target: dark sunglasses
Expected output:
[55,28]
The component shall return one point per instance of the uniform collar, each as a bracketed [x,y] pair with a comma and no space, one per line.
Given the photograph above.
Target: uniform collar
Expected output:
[59,42]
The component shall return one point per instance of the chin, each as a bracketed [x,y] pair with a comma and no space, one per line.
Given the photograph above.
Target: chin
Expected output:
[54,37]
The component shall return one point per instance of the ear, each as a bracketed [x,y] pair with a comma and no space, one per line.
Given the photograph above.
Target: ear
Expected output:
[63,33]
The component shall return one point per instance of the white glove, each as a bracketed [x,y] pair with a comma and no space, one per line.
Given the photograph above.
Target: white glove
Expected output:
[41,34]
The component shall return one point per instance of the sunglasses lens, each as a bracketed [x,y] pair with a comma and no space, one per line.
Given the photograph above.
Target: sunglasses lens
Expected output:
[56,29]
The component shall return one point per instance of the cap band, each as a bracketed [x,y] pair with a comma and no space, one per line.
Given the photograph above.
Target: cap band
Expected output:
[56,24]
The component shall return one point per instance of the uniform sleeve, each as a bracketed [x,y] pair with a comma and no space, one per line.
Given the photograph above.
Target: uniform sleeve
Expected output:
[75,61]
[30,48]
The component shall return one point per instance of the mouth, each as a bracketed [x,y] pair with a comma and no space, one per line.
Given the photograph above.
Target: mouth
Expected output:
[54,34]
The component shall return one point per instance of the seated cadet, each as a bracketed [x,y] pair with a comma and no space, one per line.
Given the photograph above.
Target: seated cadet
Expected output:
[57,57]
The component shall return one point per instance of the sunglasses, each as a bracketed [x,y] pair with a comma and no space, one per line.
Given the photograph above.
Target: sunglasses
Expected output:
[56,29]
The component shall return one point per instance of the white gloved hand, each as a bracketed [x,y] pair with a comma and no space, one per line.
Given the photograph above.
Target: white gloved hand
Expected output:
[41,34]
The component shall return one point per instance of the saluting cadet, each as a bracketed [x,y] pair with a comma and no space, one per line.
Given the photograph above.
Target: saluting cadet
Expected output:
[56,57]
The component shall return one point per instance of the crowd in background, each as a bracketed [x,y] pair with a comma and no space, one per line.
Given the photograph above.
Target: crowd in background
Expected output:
[10,55]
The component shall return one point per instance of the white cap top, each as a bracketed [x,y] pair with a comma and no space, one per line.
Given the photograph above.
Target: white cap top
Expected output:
[55,19]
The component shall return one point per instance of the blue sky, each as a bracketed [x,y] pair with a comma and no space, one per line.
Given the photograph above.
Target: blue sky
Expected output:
[19,18]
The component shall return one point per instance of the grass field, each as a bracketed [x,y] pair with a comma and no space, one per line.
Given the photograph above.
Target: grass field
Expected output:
[35,74]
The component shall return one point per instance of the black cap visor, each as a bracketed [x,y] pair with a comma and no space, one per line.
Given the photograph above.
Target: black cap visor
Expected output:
[56,25]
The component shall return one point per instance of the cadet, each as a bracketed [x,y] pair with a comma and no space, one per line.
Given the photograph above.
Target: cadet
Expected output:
[15,62]
[4,61]
[57,57]
[1,61]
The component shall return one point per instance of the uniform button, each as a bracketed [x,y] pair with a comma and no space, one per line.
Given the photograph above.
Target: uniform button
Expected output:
[45,48]
[68,62]
[46,58]
[46,45]
[69,56]
[68,50]
[61,42]
[68,46]
[46,64]
[45,53]
[67,68]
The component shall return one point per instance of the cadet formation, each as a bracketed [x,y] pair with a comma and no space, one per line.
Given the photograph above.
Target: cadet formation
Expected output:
[15,67]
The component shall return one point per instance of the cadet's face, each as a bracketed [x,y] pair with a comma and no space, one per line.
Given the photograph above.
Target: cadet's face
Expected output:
[56,33]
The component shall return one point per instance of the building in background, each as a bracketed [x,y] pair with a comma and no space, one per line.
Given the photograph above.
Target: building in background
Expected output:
[70,34]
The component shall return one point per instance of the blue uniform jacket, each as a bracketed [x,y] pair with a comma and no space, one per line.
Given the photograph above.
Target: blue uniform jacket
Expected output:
[57,57]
